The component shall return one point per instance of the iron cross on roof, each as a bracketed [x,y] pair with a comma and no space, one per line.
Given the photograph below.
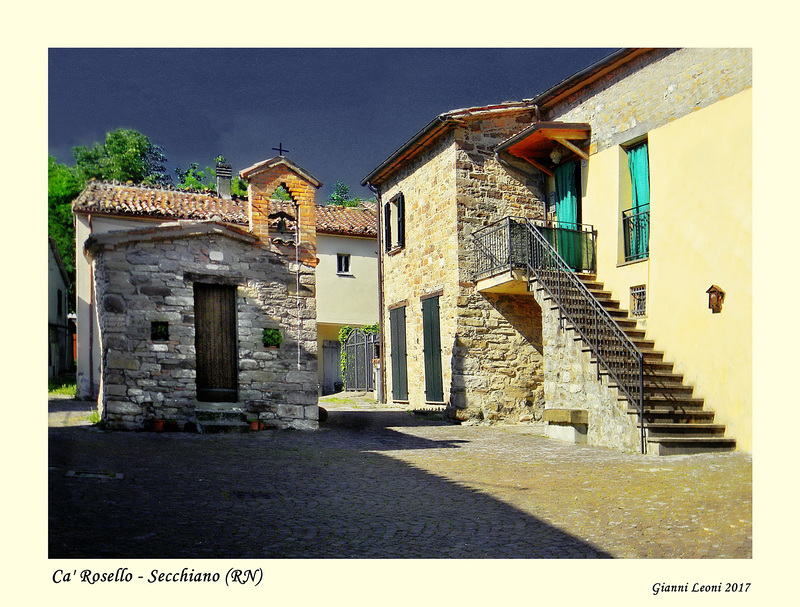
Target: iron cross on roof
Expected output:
[280,149]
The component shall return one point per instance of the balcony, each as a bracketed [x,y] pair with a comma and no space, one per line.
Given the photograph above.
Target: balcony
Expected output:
[504,247]
[636,233]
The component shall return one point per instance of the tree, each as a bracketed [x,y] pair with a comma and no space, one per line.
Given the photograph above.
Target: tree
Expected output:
[62,188]
[126,155]
[341,196]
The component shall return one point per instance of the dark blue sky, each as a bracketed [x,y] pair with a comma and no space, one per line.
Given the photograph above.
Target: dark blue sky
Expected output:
[339,112]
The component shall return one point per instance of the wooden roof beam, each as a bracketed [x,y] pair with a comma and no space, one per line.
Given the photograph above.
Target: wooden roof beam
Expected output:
[573,147]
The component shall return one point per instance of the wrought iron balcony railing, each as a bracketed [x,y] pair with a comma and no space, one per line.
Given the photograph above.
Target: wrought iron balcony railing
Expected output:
[515,243]
[636,232]
[503,245]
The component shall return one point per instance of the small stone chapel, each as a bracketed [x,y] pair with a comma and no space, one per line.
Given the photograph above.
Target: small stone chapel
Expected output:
[204,317]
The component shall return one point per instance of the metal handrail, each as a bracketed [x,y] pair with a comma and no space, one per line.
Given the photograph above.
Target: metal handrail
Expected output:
[517,243]
[610,345]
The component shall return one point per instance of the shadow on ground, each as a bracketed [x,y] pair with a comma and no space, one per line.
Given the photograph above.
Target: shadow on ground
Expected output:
[327,494]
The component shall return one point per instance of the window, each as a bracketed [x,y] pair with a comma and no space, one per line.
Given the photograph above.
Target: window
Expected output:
[394,228]
[159,330]
[636,220]
[638,300]
[60,304]
[342,263]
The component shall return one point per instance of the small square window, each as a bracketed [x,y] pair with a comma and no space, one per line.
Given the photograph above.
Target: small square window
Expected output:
[159,330]
[342,264]
[638,301]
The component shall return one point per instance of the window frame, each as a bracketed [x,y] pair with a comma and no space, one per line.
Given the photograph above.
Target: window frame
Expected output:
[343,264]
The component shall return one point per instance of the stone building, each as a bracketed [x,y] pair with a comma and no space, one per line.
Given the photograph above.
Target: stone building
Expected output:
[449,346]
[203,305]
[572,259]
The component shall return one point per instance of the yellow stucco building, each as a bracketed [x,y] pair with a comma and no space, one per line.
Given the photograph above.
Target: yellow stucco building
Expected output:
[636,173]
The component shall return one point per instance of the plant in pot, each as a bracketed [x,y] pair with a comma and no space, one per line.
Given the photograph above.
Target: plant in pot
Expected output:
[271,338]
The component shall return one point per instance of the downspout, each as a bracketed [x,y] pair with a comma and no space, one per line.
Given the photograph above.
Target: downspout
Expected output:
[91,320]
[381,332]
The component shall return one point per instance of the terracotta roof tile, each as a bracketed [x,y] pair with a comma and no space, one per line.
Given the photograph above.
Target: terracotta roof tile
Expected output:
[161,203]
[348,221]
[145,201]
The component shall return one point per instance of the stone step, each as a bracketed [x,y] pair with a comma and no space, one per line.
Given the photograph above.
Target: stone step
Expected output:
[688,445]
[670,415]
[222,426]
[679,430]
[221,418]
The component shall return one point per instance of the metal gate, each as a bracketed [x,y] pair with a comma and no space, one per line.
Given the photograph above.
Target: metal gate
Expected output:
[360,349]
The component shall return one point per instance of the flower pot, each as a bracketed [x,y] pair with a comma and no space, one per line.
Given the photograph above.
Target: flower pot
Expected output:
[157,425]
[254,424]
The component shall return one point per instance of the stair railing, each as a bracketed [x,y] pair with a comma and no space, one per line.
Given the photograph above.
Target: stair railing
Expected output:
[609,344]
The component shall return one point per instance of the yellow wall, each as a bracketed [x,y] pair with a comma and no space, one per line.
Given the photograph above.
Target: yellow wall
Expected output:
[700,235]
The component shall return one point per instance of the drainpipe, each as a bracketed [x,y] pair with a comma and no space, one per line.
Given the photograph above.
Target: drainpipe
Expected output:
[91,320]
[381,357]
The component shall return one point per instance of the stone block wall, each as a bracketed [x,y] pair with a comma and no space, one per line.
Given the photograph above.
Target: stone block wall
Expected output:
[427,264]
[139,282]
[571,382]
[654,89]
[491,344]
[498,375]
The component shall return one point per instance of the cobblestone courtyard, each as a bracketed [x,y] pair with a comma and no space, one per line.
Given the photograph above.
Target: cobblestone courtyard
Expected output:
[381,483]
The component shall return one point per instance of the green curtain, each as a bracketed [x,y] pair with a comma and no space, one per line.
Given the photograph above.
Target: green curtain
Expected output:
[639,166]
[568,240]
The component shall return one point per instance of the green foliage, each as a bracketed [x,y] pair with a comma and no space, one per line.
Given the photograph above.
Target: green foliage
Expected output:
[341,196]
[126,155]
[205,180]
[62,188]
[281,193]
[272,338]
[63,386]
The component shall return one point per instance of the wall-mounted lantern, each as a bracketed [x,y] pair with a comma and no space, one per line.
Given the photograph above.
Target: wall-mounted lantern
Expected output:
[715,298]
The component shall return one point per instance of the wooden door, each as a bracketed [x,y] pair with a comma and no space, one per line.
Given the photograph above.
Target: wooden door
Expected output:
[216,344]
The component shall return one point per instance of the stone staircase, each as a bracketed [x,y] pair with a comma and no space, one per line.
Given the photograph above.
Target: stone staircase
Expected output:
[675,421]
[213,418]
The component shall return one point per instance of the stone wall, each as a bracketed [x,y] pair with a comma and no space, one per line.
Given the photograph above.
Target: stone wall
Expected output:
[427,264]
[654,89]
[491,344]
[571,382]
[139,281]
[498,373]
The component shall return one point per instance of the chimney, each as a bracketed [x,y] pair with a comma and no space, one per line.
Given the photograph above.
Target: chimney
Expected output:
[224,174]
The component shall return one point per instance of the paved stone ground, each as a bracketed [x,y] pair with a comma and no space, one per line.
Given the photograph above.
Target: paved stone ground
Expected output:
[377,482]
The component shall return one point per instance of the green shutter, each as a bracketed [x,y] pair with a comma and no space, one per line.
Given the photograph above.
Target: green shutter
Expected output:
[397,329]
[387,225]
[401,220]
[432,350]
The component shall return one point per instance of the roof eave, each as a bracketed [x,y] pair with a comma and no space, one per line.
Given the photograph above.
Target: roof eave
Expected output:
[436,127]
[586,76]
